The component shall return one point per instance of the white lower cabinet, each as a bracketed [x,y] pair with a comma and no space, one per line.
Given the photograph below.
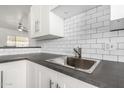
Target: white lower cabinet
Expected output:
[40,76]
[0,78]
[26,74]
[66,81]
[13,75]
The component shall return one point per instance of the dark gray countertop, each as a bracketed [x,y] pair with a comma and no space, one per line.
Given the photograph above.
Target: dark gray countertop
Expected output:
[107,74]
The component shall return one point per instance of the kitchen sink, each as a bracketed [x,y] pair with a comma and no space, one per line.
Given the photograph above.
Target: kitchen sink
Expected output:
[81,64]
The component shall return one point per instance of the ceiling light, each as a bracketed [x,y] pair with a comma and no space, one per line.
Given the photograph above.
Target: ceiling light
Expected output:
[20,30]
[20,27]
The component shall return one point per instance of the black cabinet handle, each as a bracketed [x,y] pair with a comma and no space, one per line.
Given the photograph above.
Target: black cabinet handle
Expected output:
[1,79]
[57,85]
[51,83]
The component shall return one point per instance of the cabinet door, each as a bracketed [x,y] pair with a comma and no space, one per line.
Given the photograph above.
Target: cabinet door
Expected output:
[52,78]
[38,76]
[44,20]
[66,81]
[47,77]
[56,25]
[35,20]
[14,74]
[39,20]
[0,78]
[43,77]
[44,24]
[13,79]
[32,75]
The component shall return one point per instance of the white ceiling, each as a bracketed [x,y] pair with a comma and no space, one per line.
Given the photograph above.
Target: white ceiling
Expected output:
[11,15]
[66,11]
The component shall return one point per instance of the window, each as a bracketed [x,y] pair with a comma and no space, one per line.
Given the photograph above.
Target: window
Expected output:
[17,41]
[11,41]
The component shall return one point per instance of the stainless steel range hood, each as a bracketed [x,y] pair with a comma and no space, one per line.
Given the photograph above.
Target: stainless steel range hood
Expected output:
[117,24]
[66,11]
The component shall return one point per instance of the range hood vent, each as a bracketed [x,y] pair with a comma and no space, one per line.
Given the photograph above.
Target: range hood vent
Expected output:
[67,11]
[117,24]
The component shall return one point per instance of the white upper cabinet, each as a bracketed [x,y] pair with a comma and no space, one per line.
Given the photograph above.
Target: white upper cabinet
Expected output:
[44,23]
[117,12]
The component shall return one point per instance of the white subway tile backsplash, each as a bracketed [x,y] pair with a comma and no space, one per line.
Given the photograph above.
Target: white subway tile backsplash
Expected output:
[85,46]
[91,41]
[86,55]
[103,29]
[87,27]
[92,11]
[89,51]
[121,58]
[107,23]
[110,34]
[87,17]
[101,51]
[121,33]
[81,41]
[117,39]
[110,57]
[114,39]
[96,25]
[98,35]
[103,8]
[103,18]
[96,56]
[97,14]
[97,46]
[91,21]
[117,52]
[91,31]
[87,36]
[103,40]
[107,11]
[121,45]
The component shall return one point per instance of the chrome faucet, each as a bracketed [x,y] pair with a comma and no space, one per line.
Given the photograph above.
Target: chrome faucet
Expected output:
[77,51]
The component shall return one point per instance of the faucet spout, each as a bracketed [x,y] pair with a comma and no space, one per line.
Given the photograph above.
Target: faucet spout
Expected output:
[78,51]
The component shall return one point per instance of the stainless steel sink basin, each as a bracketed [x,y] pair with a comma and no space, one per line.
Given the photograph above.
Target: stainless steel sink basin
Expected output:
[80,63]
[83,64]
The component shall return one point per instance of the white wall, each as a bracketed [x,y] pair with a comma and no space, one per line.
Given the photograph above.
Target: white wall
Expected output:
[90,31]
